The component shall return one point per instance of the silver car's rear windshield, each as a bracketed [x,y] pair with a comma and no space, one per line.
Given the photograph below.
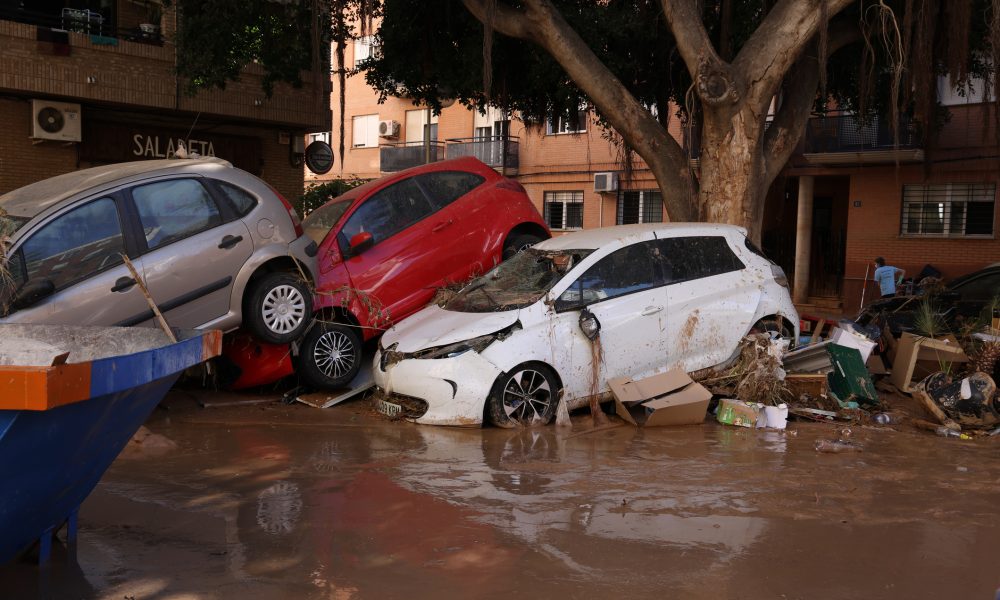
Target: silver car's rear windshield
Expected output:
[320,221]
[516,283]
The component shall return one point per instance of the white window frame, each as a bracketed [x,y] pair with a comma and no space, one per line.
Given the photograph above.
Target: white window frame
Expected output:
[322,136]
[364,48]
[564,197]
[945,194]
[364,131]
[560,124]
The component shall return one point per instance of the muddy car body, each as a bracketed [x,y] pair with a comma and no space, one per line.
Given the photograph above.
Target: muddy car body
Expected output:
[659,297]
[386,247]
[216,247]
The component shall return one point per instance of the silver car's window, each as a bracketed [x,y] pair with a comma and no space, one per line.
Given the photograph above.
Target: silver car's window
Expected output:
[242,201]
[75,245]
[173,210]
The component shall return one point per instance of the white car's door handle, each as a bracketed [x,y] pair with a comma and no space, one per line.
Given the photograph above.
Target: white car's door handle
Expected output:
[650,310]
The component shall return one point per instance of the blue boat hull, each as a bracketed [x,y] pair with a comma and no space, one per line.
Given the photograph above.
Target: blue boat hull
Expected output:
[52,460]
[62,426]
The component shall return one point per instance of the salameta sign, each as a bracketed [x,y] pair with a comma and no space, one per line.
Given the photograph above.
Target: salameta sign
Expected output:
[113,142]
[150,146]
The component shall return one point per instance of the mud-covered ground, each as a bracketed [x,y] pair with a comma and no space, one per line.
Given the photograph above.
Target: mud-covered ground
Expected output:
[276,501]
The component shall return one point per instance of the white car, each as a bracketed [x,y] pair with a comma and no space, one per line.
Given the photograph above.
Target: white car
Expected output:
[653,297]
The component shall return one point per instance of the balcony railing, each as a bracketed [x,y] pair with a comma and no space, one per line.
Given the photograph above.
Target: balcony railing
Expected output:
[490,150]
[844,133]
[89,22]
[396,157]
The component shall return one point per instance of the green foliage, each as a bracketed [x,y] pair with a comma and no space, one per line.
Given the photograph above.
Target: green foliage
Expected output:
[318,194]
[217,39]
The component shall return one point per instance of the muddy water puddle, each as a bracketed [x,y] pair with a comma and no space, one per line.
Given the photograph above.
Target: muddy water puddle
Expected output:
[282,501]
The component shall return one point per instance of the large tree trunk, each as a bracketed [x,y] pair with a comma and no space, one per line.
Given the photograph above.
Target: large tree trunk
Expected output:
[733,182]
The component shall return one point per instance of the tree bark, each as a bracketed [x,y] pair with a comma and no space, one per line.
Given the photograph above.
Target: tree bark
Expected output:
[739,160]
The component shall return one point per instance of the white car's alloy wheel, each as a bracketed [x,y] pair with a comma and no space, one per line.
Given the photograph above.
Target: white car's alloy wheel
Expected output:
[527,396]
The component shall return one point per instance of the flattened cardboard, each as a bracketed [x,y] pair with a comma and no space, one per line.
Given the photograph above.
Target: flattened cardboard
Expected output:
[670,398]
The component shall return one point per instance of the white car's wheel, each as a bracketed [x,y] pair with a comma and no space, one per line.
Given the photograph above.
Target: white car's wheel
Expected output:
[525,396]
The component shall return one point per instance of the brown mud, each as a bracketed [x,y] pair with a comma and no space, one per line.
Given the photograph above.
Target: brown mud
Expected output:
[278,501]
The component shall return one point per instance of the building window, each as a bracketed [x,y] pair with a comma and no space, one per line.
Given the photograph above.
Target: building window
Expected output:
[365,131]
[644,206]
[364,48]
[948,209]
[323,136]
[568,122]
[564,210]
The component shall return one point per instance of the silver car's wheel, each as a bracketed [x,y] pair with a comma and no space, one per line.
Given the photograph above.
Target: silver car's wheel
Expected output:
[525,396]
[284,309]
[278,308]
[335,354]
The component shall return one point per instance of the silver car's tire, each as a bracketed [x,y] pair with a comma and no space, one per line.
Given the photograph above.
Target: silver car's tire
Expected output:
[526,395]
[330,355]
[278,308]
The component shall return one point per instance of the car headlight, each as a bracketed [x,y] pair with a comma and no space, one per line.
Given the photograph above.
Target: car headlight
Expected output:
[477,344]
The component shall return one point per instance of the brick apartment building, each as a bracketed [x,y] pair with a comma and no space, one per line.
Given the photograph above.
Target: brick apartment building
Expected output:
[854,191]
[89,83]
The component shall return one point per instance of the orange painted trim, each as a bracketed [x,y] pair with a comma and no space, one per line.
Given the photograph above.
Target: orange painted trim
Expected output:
[211,344]
[43,388]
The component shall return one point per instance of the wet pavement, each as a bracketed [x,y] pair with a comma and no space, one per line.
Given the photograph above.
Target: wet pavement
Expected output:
[277,501]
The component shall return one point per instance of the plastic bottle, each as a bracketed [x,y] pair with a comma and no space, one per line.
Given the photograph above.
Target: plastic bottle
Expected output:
[883,419]
[945,432]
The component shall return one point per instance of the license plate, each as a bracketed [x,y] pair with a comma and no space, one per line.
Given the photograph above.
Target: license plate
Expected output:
[388,408]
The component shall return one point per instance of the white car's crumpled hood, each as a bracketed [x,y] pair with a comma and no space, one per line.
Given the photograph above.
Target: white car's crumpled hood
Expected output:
[435,326]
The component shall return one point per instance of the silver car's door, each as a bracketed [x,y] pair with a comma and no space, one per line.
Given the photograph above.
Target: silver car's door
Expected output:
[192,256]
[74,261]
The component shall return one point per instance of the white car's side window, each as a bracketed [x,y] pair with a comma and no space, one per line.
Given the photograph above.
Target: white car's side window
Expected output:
[631,269]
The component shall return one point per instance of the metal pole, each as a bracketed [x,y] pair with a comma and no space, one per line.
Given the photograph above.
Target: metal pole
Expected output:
[427,137]
[864,286]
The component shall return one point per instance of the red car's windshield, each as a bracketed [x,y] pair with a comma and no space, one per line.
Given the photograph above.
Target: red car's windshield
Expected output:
[320,221]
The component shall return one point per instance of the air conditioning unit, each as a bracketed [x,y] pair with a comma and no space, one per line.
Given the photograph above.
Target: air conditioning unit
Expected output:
[59,121]
[388,129]
[606,181]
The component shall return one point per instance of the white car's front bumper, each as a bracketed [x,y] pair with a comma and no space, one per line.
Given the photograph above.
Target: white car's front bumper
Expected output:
[455,389]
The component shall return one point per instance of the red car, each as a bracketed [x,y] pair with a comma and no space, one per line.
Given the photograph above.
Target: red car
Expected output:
[386,247]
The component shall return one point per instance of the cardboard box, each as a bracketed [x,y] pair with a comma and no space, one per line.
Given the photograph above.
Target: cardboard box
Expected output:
[813,384]
[737,412]
[670,398]
[917,357]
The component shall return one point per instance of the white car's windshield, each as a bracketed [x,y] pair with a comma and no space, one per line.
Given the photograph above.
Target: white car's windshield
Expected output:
[516,283]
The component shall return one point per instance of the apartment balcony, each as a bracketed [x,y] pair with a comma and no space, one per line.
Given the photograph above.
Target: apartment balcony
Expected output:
[499,152]
[396,157]
[104,24]
[843,140]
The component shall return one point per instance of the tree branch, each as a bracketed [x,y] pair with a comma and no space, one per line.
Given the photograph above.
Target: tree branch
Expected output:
[789,123]
[542,24]
[715,81]
[777,43]
[508,21]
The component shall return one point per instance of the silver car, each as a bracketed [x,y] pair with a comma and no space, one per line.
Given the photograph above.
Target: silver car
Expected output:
[215,246]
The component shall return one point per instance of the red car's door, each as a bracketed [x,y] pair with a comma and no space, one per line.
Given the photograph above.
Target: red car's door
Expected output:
[399,267]
[467,226]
